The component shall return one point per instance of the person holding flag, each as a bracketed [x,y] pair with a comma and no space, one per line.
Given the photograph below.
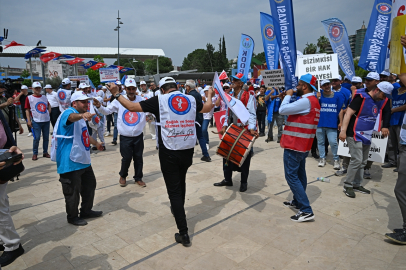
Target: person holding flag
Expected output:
[38,119]
[64,94]
[248,100]
[130,125]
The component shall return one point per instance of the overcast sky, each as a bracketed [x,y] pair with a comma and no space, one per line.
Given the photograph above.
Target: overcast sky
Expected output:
[178,27]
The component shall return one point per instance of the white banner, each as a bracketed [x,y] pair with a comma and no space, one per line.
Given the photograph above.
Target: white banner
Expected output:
[273,78]
[376,152]
[109,74]
[322,66]
[76,80]
[54,70]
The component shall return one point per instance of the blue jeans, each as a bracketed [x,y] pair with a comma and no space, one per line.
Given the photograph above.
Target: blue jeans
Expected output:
[115,132]
[205,126]
[332,140]
[38,127]
[295,173]
[202,140]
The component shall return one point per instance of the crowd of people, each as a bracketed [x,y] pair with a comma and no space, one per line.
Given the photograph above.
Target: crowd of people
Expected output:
[178,117]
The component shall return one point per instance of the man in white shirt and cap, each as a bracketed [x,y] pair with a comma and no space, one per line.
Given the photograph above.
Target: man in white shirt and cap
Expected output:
[147,94]
[53,101]
[130,125]
[64,95]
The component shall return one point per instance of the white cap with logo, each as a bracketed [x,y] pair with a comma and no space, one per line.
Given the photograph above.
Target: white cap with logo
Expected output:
[356,79]
[385,73]
[372,76]
[226,85]
[65,81]
[323,82]
[79,95]
[36,84]
[386,88]
[143,82]
[82,85]
[130,82]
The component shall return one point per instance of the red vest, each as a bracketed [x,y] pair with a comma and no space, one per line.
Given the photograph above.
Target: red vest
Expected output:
[299,131]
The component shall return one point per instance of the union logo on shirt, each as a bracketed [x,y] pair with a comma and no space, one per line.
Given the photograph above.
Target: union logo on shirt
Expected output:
[62,95]
[375,110]
[95,120]
[179,104]
[85,138]
[131,118]
[41,107]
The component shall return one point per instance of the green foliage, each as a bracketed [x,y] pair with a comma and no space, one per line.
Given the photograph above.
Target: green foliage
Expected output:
[360,72]
[261,57]
[25,74]
[94,75]
[27,82]
[55,82]
[322,43]
[165,65]
[310,48]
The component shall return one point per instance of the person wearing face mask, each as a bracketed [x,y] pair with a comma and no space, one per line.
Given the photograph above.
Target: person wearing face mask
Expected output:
[358,124]
[297,139]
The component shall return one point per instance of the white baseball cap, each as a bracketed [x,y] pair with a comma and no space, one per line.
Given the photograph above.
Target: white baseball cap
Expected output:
[356,79]
[199,88]
[36,84]
[226,84]
[166,80]
[130,82]
[104,87]
[83,85]
[323,82]
[338,78]
[143,82]
[79,95]
[372,76]
[23,87]
[48,86]
[385,73]
[256,86]
[386,88]
[65,81]
[99,99]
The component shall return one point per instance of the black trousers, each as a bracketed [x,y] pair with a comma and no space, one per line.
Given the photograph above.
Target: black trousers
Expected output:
[131,148]
[109,120]
[25,118]
[244,169]
[261,121]
[174,166]
[76,184]
[55,112]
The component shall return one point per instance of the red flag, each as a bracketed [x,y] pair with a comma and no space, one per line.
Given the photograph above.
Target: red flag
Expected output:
[219,117]
[75,61]
[13,43]
[223,76]
[97,66]
[49,56]
[120,67]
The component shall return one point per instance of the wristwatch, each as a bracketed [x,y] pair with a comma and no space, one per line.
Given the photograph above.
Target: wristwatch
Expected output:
[117,95]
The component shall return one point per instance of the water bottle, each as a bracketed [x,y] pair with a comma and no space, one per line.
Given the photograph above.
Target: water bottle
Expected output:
[323,179]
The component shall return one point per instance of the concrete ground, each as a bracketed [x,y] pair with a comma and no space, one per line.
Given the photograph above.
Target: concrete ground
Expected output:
[229,229]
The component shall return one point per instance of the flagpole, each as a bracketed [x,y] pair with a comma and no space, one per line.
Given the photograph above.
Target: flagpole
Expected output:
[32,79]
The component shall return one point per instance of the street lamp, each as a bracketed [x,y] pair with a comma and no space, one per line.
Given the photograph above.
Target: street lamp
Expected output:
[118,36]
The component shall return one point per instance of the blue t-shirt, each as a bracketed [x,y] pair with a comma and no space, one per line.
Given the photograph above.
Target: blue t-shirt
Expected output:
[63,161]
[396,118]
[330,107]
[346,85]
[347,95]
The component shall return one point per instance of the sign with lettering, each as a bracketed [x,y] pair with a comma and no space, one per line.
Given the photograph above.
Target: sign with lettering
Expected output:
[376,152]
[322,66]
[109,74]
[273,78]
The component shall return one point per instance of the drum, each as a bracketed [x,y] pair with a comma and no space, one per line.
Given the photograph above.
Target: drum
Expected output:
[235,145]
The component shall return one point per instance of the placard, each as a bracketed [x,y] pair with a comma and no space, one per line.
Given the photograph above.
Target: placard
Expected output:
[81,79]
[273,78]
[376,152]
[322,66]
[109,74]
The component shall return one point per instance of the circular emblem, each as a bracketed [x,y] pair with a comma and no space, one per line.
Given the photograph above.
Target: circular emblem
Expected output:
[131,118]
[335,32]
[375,110]
[62,95]
[88,64]
[85,138]
[246,43]
[41,107]
[384,8]
[269,32]
[95,120]
[179,104]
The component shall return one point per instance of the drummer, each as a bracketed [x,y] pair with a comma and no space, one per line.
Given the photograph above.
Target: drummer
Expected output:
[247,97]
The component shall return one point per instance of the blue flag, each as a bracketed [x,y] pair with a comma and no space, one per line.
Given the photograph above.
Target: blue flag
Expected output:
[245,54]
[373,54]
[271,47]
[125,69]
[123,79]
[89,64]
[337,34]
[65,56]
[34,51]
[282,12]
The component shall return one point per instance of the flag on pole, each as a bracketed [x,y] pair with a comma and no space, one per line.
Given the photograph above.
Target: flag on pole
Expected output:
[49,56]
[65,56]
[12,44]
[245,54]
[337,34]
[114,66]
[271,47]
[32,52]
[89,64]
[97,66]
[223,76]
[125,69]
[75,61]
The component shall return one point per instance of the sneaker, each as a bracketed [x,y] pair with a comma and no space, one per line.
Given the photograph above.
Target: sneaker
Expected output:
[289,204]
[207,146]
[269,140]
[10,256]
[399,237]
[398,230]
[322,162]
[395,170]
[388,165]
[114,143]
[153,137]
[349,191]
[361,189]
[302,216]
[29,134]
[107,134]
[207,159]
[341,172]
[367,174]
[337,165]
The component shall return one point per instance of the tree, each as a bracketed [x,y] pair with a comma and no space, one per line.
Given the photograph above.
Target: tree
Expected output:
[25,74]
[198,59]
[261,57]
[139,67]
[322,43]
[210,53]
[165,65]
[55,82]
[310,49]
[94,75]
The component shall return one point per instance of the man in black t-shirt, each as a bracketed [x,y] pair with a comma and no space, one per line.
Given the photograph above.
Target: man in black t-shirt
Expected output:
[261,111]
[174,163]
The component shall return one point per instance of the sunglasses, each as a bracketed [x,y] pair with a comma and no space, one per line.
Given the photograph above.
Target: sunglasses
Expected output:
[226,87]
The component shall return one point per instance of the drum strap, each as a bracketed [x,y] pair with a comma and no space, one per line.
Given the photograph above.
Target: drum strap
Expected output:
[235,142]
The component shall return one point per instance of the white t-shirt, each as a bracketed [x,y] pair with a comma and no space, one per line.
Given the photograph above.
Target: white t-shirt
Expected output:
[209,115]
[53,99]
